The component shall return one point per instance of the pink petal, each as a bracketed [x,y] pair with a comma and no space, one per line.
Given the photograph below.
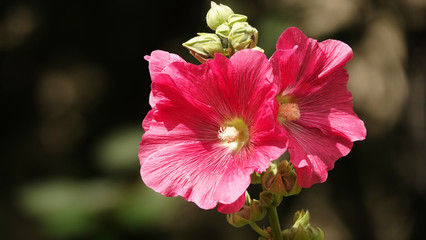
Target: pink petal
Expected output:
[331,109]
[147,120]
[158,60]
[309,57]
[252,66]
[313,154]
[268,137]
[337,55]
[286,67]
[316,60]
[232,207]
[178,176]
[152,100]
[204,87]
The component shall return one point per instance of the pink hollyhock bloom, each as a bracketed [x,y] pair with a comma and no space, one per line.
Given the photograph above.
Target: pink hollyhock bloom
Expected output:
[315,106]
[211,126]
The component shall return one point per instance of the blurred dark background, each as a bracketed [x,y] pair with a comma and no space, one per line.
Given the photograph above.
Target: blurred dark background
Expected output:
[74,91]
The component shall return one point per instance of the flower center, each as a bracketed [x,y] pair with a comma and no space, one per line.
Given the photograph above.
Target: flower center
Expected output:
[228,134]
[233,134]
[288,112]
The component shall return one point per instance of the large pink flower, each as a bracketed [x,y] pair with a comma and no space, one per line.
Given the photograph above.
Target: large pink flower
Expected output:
[315,104]
[211,126]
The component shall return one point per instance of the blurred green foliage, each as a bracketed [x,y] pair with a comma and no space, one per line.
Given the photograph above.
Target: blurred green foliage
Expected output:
[115,152]
[68,208]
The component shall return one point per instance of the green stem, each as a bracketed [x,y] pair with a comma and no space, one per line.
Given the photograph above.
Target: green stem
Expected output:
[275,223]
[260,231]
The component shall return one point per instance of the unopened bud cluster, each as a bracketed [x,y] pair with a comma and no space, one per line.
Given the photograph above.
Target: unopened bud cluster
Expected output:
[232,34]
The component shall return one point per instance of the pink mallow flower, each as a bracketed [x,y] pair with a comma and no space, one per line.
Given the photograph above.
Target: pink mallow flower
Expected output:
[315,106]
[211,126]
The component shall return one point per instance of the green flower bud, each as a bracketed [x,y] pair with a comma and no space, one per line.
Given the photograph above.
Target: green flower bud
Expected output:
[223,30]
[281,180]
[301,228]
[242,36]
[217,15]
[249,213]
[204,46]
[236,18]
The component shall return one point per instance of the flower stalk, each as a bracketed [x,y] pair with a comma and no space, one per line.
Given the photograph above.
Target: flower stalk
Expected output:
[274,221]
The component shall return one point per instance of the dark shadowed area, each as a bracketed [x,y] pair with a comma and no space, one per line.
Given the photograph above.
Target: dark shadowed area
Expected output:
[75,87]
